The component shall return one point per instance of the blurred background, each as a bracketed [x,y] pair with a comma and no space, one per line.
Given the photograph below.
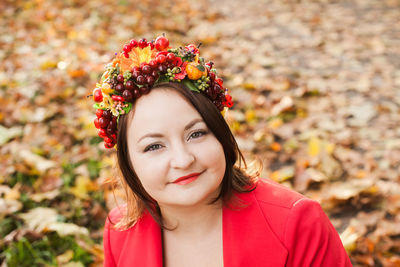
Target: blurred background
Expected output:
[317,100]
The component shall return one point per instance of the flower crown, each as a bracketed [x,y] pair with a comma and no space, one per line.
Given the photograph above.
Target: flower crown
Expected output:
[141,65]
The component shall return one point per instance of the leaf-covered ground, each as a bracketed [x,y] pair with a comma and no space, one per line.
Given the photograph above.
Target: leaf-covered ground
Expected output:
[316,86]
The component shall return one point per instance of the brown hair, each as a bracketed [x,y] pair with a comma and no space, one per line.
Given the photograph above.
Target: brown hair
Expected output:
[235,178]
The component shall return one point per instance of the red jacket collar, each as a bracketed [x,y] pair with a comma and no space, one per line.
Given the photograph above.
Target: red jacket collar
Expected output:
[248,240]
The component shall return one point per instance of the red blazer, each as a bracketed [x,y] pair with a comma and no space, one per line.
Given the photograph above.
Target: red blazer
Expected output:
[278,227]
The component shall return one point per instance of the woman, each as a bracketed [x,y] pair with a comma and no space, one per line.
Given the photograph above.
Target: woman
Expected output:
[188,204]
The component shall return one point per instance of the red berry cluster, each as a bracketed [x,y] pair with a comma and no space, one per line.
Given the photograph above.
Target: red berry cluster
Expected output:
[145,75]
[126,90]
[216,90]
[166,60]
[142,78]
[107,125]
[161,43]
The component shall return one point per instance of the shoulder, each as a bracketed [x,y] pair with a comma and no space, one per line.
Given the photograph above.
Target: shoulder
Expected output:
[116,214]
[116,239]
[138,242]
[280,206]
[113,238]
[301,226]
[271,193]
[278,202]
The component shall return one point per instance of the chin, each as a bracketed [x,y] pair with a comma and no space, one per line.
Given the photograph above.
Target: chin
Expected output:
[192,198]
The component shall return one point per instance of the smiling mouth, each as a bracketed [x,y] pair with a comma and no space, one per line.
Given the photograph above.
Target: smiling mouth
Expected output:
[187,178]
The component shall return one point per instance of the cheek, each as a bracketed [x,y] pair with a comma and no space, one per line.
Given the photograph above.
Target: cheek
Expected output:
[143,167]
[149,169]
[213,155]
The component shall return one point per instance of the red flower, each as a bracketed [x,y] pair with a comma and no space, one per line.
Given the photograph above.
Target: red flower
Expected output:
[193,48]
[228,101]
[182,65]
[219,81]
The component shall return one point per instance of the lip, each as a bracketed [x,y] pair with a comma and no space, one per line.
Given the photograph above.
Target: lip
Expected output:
[187,178]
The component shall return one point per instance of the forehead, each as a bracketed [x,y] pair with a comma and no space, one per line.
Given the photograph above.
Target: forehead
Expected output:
[161,108]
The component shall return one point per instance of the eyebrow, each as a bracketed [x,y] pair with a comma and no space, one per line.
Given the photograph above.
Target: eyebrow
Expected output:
[187,127]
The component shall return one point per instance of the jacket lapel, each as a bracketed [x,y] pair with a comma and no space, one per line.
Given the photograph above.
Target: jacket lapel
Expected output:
[248,239]
[145,244]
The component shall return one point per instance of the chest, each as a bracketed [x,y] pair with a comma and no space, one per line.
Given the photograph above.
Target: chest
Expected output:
[194,252]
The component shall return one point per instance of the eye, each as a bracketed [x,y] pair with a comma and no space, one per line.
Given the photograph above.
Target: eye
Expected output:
[152,147]
[198,134]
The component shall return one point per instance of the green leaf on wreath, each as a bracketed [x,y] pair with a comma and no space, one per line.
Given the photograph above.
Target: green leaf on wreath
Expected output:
[97,106]
[163,79]
[103,77]
[200,67]
[191,86]
[128,108]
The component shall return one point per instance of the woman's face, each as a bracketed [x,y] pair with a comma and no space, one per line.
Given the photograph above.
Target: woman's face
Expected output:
[168,141]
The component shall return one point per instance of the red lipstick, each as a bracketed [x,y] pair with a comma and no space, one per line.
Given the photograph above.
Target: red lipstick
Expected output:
[187,178]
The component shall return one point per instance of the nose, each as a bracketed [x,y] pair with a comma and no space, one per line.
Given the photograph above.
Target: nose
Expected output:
[181,157]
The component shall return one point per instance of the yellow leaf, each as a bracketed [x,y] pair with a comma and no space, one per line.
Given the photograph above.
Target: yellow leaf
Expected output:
[275,123]
[83,185]
[259,135]
[72,35]
[40,164]
[73,264]
[109,161]
[250,116]
[28,5]
[106,88]
[67,92]
[301,113]
[283,174]
[42,219]
[9,133]
[209,40]
[235,126]
[280,84]
[291,145]
[65,257]
[360,174]
[97,250]
[373,189]
[249,86]
[8,206]
[48,65]
[14,193]
[349,238]
[314,146]
[38,197]
[329,148]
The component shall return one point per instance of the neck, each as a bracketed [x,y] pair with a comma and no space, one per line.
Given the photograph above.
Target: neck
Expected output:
[182,219]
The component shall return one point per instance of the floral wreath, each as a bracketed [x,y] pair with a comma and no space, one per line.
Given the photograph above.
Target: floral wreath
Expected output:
[141,65]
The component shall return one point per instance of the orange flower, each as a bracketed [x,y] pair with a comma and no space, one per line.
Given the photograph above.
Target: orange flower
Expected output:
[136,56]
